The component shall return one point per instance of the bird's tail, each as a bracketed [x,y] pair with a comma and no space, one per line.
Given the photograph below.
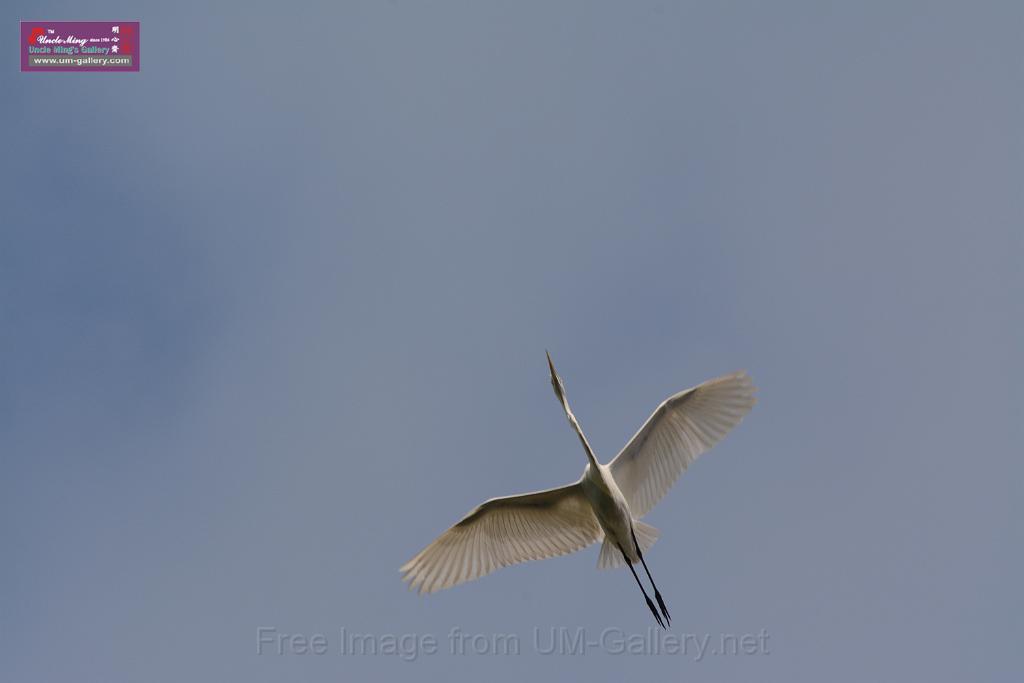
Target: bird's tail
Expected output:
[610,557]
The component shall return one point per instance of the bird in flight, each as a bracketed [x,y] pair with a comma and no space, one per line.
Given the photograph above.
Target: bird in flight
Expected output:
[605,505]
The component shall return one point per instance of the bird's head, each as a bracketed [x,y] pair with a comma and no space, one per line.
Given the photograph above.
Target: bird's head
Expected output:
[556,381]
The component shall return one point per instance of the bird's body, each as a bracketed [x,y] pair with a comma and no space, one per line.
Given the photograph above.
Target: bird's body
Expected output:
[609,507]
[605,504]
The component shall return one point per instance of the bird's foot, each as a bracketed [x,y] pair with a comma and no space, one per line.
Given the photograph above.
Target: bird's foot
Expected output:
[661,604]
[657,616]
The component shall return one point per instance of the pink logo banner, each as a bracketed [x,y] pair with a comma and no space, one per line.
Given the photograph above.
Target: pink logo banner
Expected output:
[79,46]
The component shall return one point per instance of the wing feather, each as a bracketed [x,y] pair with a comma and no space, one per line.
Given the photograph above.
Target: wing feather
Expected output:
[684,426]
[504,531]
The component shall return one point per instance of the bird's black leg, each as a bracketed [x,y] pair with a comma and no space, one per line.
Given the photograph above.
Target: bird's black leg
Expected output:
[657,594]
[650,604]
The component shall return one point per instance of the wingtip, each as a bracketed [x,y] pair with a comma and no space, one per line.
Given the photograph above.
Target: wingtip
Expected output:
[412,582]
[744,377]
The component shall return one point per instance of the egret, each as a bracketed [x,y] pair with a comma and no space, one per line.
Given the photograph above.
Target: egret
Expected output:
[605,504]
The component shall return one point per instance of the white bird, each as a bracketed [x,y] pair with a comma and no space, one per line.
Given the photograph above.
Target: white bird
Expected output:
[606,504]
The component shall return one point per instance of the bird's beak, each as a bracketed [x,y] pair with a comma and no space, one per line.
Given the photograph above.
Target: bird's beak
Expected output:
[556,381]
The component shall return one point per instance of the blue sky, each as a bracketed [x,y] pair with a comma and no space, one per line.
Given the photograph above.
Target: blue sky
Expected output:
[273,314]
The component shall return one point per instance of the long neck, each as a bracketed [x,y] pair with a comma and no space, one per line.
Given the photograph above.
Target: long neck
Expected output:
[556,384]
[579,433]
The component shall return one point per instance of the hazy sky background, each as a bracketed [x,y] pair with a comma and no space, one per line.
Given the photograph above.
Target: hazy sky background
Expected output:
[273,314]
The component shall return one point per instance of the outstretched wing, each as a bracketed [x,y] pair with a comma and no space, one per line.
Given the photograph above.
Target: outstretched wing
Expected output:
[505,531]
[684,426]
